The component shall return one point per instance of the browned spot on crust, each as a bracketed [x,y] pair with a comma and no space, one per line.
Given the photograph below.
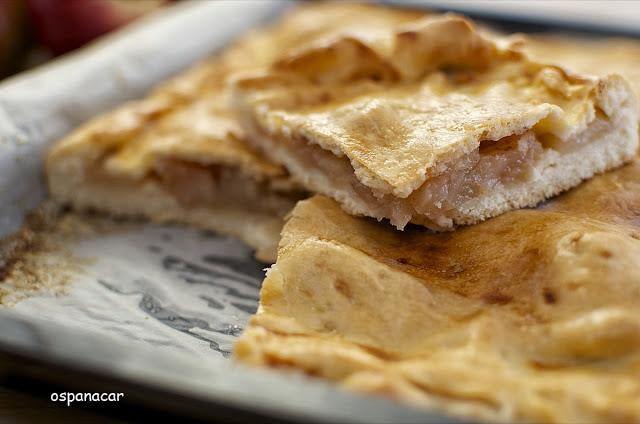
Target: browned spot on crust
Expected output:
[606,254]
[343,288]
[382,275]
[576,238]
[498,298]
[362,49]
[409,35]
[305,291]
[549,296]
[329,326]
[325,97]
[379,353]
[377,76]
[321,263]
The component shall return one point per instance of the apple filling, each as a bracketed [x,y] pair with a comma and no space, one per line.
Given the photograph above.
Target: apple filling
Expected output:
[197,185]
[495,165]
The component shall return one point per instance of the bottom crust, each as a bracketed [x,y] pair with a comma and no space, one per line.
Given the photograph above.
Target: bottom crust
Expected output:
[553,174]
[533,316]
[259,230]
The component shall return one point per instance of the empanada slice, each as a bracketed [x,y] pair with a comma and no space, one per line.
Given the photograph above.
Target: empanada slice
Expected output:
[180,155]
[169,158]
[533,316]
[432,123]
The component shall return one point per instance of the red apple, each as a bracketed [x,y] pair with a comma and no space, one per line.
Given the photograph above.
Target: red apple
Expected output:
[12,34]
[64,25]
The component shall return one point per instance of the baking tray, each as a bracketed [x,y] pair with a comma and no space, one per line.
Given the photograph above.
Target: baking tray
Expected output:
[154,309]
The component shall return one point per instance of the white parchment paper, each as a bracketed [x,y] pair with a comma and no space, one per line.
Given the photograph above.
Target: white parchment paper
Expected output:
[169,287]
[174,288]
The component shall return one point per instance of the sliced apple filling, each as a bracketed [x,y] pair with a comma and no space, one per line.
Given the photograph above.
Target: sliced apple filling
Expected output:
[496,164]
[501,165]
[196,185]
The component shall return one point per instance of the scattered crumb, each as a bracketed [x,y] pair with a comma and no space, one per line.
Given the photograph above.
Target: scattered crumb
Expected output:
[36,259]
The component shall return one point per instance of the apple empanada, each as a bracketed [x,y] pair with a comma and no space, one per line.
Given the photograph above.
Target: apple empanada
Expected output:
[433,123]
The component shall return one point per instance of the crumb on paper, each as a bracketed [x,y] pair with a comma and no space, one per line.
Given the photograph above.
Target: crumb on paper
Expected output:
[37,259]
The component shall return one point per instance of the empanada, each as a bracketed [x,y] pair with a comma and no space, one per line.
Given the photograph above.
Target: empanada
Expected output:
[433,123]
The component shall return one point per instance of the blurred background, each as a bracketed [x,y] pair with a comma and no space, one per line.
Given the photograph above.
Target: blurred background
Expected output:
[34,31]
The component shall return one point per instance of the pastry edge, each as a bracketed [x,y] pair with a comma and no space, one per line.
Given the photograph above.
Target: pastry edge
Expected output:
[148,200]
[554,176]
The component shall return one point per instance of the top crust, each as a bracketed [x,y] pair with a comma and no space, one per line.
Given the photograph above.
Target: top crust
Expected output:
[586,55]
[189,118]
[405,103]
[185,119]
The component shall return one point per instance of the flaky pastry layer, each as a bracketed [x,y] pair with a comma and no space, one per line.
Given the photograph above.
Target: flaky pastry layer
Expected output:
[594,56]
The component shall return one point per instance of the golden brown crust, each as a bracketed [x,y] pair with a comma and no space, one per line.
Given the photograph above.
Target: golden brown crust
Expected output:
[531,316]
[187,119]
[595,56]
